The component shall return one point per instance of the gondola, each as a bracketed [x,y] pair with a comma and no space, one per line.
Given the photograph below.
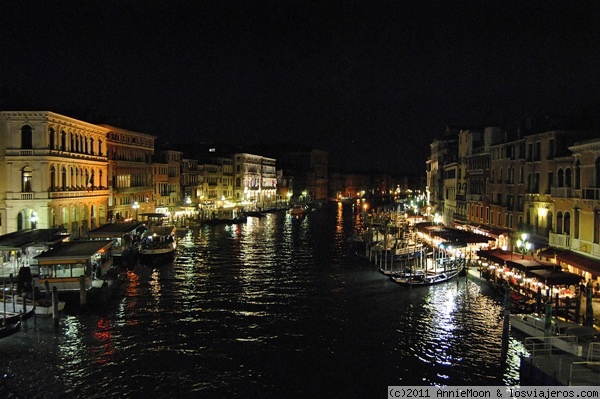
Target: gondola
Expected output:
[426,279]
[10,329]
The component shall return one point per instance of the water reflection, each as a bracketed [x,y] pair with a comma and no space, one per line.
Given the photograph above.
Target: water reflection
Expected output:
[278,305]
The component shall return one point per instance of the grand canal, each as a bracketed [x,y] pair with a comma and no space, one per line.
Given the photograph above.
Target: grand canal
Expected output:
[273,308]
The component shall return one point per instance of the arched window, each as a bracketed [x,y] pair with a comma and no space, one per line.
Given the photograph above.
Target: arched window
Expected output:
[568,177]
[63,176]
[567,223]
[100,180]
[577,174]
[72,142]
[549,221]
[51,138]
[26,178]
[53,184]
[20,221]
[91,146]
[561,178]
[597,182]
[100,147]
[63,141]
[522,175]
[26,137]
[559,222]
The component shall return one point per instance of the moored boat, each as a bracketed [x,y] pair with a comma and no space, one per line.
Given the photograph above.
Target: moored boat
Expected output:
[226,216]
[43,307]
[10,329]
[7,317]
[298,211]
[425,278]
[158,242]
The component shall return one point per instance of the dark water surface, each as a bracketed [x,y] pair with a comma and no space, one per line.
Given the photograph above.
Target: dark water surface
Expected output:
[274,308]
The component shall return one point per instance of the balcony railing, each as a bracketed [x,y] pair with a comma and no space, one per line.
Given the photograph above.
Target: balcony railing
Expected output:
[12,152]
[77,193]
[565,192]
[559,240]
[474,197]
[591,193]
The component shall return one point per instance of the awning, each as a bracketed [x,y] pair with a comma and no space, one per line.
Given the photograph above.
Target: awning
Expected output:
[515,261]
[549,252]
[495,255]
[557,277]
[529,266]
[579,261]
[492,231]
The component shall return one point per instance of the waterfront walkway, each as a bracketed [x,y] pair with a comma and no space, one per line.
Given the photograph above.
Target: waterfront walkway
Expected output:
[474,273]
[556,368]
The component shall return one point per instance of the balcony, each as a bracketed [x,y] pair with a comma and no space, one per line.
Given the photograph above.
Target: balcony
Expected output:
[474,197]
[559,240]
[591,193]
[565,192]
[77,193]
[17,152]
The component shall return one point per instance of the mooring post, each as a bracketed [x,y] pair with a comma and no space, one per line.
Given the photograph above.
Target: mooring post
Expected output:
[55,315]
[82,292]
[24,305]
[12,294]
[506,323]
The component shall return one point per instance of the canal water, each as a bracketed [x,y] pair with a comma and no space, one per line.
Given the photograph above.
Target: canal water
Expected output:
[278,307]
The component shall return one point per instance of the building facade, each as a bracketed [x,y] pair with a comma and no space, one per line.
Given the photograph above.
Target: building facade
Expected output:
[255,180]
[131,181]
[53,172]
[167,181]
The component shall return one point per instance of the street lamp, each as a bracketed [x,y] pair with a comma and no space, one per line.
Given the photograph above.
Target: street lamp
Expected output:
[34,219]
[523,244]
[135,207]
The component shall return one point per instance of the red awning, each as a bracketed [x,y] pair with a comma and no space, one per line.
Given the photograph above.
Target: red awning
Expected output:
[580,262]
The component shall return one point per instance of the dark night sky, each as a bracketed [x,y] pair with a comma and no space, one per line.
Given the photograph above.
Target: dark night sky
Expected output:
[370,81]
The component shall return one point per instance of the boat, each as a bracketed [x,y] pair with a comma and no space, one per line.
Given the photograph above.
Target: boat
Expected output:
[424,278]
[226,216]
[158,242]
[10,329]
[63,266]
[298,211]
[43,306]
[255,214]
[566,336]
[13,317]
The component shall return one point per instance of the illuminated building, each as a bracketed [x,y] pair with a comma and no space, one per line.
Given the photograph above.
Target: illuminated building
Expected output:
[53,172]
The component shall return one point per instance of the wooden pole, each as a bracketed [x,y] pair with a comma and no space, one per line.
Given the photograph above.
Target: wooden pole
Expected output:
[33,302]
[55,315]
[82,292]
[4,301]
[24,304]
[506,323]
[12,294]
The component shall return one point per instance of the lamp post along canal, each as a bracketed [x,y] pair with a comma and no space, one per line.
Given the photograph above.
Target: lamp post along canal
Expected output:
[135,207]
[523,244]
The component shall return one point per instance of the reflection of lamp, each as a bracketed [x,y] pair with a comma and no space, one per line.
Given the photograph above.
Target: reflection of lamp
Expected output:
[135,207]
[33,219]
[523,244]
